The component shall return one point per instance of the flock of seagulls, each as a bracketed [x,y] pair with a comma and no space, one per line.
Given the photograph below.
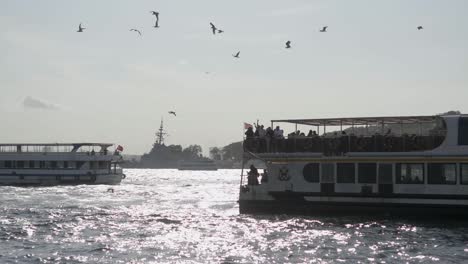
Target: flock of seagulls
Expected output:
[215,30]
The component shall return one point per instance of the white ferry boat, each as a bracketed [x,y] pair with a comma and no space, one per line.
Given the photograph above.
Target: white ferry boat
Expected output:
[408,165]
[59,164]
[205,165]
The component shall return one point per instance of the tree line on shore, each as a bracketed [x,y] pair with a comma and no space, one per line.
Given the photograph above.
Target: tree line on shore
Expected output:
[162,156]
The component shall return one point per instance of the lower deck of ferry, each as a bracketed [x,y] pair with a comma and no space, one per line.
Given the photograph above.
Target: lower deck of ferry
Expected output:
[328,208]
[60,179]
[364,185]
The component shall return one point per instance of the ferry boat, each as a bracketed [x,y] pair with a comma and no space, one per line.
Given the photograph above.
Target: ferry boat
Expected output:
[59,164]
[205,165]
[408,165]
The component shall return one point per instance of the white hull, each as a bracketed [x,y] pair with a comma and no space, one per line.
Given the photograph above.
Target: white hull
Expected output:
[60,179]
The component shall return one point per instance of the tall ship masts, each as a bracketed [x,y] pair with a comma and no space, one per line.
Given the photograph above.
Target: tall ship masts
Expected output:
[160,134]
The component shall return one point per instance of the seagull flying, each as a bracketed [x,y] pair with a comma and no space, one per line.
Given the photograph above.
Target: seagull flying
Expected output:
[215,29]
[420,27]
[80,29]
[136,30]
[324,29]
[172,113]
[237,55]
[288,44]
[156,14]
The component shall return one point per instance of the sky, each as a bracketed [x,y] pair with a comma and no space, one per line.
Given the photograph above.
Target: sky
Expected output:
[109,84]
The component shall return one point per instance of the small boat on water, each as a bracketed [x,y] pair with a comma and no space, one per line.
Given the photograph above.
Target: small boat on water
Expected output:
[59,164]
[410,165]
[202,165]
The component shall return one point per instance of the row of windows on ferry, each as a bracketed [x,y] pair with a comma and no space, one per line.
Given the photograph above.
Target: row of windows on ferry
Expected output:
[34,164]
[405,173]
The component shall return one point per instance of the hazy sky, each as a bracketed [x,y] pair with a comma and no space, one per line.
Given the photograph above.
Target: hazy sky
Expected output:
[109,84]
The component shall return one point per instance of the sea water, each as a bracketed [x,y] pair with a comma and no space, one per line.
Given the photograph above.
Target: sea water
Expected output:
[170,216]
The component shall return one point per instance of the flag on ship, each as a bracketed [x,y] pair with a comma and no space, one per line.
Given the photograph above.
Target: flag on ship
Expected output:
[247,125]
[119,148]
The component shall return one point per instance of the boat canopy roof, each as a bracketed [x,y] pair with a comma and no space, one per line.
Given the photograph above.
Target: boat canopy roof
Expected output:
[353,121]
[76,145]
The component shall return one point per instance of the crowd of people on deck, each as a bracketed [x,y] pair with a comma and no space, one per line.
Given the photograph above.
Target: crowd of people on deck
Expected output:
[335,143]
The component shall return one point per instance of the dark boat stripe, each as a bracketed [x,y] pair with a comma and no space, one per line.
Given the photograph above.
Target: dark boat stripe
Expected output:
[301,195]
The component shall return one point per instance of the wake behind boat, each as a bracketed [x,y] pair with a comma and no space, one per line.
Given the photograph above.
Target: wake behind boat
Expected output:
[59,164]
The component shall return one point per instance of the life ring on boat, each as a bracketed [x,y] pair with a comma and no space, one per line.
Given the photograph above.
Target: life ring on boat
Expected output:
[284,174]
[124,176]
[361,144]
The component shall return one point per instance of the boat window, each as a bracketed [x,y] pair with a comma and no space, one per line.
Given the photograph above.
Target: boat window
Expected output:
[93,165]
[53,164]
[42,164]
[71,165]
[385,173]
[103,164]
[410,173]
[439,173]
[8,164]
[345,173]
[65,164]
[463,131]
[464,173]
[367,172]
[328,173]
[311,172]
[32,164]
[20,164]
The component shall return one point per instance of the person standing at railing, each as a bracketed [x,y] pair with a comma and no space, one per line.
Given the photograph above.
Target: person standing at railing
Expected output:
[268,137]
[252,178]
[261,138]
[277,135]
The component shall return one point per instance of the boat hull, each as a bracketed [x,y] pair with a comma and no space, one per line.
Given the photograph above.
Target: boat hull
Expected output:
[53,180]
[304,207]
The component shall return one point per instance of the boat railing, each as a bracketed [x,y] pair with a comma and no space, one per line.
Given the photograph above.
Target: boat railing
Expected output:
[339,145]
[46,151]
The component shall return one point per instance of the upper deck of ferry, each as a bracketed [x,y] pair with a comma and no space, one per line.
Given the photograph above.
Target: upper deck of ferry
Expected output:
[78,148]
[343,136]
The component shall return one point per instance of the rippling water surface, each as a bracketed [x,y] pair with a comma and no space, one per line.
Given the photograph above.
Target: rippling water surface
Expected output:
[168,216]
